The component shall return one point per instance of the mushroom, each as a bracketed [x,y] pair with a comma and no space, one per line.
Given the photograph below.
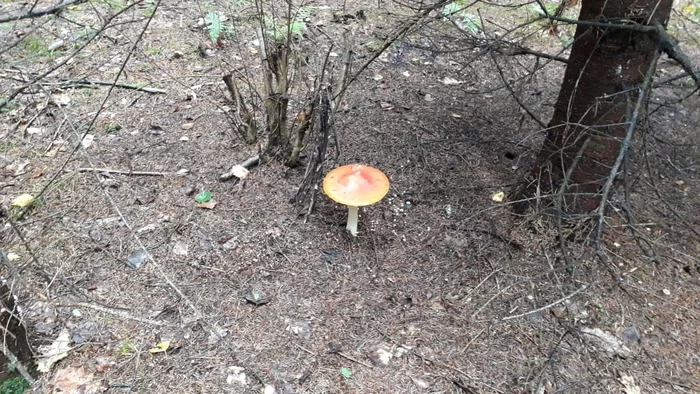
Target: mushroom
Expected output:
[355,185]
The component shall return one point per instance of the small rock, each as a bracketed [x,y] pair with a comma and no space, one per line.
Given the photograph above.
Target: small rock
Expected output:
[187,126]
[188,190]
[331,255]
[428,98]
[95,235]
[631,334]
[177,55]
[257,298]
[137,259]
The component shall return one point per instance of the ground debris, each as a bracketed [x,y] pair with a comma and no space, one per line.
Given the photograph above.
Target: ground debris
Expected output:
[74,380]
[607,342]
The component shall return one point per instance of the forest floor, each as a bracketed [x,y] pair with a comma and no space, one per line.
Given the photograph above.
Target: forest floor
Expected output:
[443,291]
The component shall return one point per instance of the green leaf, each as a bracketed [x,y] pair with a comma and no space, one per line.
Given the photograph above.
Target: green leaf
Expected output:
[470,22]
[346,372]
[450,9]
[202,197]
[298,28]
[215,26]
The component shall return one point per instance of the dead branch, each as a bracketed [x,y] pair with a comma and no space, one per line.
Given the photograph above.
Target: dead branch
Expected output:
[669,45]
[304,123]
[244,121]
[603,25]
[314,168]
[520,50]
[89,83]
[118,312]
[624,148]
[40,12]
[247,164]
[110,171]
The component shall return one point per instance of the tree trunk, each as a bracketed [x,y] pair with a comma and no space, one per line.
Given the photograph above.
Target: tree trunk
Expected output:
[606,67]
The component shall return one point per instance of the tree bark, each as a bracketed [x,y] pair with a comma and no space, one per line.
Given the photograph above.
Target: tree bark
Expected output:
[606,67]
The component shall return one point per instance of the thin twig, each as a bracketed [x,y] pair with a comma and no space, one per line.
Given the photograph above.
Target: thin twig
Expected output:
[491,299]
[86,82]
[514,94]
[345,356]
[580,289]
[527,51]
[110,171]
[122,313]
[464,349]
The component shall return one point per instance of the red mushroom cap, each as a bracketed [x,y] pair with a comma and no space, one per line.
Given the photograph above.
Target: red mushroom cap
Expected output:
[356,185]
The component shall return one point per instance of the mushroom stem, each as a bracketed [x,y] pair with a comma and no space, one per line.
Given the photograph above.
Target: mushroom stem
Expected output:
[352,220]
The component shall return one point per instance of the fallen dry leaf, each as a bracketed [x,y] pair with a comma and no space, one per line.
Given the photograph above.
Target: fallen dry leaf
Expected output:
[160,347]
[55,352]
[87,140]
[23,200]
[208,205]
[74,381]
[37,172]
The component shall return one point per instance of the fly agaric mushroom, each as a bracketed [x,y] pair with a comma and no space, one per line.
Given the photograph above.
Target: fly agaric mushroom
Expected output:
[355,185]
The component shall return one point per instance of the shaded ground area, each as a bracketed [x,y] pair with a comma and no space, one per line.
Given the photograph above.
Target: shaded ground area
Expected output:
[443,290]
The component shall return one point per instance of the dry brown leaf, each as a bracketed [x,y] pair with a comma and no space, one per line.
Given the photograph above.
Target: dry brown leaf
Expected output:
[208,205]
[55,352]
[74,381]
